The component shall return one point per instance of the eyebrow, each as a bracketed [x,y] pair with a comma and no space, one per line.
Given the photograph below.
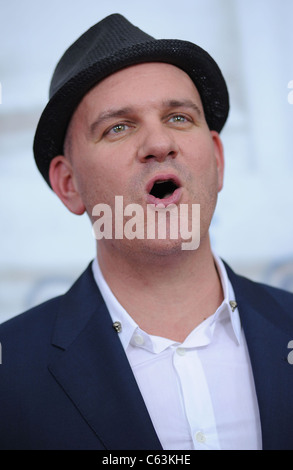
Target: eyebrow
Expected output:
[110,114]
[120,112]
[183,104]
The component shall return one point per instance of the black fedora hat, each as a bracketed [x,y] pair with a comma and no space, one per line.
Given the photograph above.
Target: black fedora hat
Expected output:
[110,45]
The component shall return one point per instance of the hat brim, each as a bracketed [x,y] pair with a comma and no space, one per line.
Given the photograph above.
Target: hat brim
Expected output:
[197,63]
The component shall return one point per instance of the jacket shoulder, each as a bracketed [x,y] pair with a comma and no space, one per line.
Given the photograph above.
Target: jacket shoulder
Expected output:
[258,287]
[40,317]
[282,296]
[268,302]
[29,331]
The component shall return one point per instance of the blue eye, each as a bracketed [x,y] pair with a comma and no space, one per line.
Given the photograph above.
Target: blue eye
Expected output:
[178,118]
[119,128]
[122,128]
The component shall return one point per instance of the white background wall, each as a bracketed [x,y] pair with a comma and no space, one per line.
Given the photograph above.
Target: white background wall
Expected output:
[42,246]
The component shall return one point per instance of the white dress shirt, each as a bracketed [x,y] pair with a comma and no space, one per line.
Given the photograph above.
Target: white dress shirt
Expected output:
[200,394]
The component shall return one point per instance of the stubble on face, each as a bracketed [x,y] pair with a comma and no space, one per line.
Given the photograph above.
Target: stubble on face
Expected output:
[99,176]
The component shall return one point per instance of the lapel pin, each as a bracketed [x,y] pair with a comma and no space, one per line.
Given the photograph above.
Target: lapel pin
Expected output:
[117,326]
[233,305]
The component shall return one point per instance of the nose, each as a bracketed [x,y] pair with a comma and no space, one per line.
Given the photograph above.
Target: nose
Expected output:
[157,143]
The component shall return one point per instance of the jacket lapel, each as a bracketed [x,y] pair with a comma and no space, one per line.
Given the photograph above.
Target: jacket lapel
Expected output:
[92,368]
[268,328]
[95,374]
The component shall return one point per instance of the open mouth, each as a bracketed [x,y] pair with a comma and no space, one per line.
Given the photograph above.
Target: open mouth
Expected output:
[164,189]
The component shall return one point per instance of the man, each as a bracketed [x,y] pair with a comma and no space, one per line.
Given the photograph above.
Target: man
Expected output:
[155,346]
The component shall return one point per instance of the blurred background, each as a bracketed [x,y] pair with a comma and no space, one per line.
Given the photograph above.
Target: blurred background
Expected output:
[43,247]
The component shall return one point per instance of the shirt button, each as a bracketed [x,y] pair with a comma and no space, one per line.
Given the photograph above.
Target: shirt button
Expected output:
[200,437]
[138,339]
[181,351]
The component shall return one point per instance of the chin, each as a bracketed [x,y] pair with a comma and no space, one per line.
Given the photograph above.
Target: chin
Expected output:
[160,248]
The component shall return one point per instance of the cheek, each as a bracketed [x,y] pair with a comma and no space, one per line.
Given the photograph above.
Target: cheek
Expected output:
[205,184]
[202,161]
[98,182]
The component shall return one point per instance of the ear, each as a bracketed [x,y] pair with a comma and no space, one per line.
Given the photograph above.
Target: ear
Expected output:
[64,185]
[219,155]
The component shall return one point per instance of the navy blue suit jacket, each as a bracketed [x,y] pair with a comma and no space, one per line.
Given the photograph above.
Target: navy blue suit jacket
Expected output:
[65,382]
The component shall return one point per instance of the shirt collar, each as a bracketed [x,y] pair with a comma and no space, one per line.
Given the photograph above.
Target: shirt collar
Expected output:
[229,303]
[130,330]
[117,312]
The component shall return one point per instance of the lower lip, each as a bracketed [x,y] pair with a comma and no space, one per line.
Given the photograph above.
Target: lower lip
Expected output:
[174,198]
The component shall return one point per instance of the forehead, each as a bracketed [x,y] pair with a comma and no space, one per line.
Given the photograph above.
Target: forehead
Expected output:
[138,85]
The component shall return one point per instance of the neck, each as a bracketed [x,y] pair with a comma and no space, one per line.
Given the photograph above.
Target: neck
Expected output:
[165,295]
